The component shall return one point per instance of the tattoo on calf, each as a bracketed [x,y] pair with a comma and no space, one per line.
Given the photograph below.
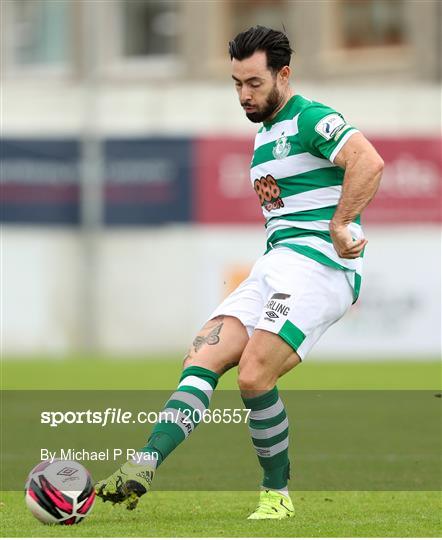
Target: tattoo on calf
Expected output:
[211,339]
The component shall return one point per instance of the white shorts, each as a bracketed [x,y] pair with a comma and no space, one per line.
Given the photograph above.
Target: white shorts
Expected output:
[290,295]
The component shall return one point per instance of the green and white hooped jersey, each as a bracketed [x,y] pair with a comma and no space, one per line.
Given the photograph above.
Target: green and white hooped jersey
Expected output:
[298,185]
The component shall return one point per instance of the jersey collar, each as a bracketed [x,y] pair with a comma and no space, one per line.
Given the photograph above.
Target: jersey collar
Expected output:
[281,114]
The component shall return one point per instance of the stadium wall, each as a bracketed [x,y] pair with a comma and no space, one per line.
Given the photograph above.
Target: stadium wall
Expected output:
[156,287]
[165,108]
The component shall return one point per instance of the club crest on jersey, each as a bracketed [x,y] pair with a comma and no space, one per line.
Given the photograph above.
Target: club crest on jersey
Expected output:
[281,148]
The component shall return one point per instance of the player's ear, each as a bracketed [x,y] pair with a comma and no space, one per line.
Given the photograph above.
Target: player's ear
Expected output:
[284,74]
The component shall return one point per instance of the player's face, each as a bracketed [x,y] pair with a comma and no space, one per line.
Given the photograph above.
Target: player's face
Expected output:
[258,88]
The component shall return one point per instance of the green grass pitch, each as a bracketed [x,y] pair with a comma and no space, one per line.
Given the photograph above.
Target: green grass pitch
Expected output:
[222,514]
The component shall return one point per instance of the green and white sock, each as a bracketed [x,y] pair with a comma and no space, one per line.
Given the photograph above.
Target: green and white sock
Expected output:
[194,392]
[269,428]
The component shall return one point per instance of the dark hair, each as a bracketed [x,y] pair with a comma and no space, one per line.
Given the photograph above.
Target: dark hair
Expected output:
[259,38]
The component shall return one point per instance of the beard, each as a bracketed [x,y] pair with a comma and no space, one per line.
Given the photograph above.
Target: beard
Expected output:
[272,103]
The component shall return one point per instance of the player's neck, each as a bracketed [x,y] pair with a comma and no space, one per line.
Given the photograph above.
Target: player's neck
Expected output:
[288,95]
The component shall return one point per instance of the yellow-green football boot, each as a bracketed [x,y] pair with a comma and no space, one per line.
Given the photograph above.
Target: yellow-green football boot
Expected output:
[273,505]
[126,485]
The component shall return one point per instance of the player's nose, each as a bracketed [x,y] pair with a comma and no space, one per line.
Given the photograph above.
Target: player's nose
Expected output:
[245,95]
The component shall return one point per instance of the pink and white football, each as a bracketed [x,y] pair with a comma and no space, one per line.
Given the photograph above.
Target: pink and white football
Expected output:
[59,492]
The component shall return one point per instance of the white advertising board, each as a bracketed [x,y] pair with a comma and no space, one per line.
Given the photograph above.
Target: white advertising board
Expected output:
[156,287]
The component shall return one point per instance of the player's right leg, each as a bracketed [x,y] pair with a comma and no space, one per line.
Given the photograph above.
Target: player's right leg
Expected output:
[216,348]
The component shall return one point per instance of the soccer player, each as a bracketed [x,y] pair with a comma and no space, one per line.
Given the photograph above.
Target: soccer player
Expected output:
[313,174]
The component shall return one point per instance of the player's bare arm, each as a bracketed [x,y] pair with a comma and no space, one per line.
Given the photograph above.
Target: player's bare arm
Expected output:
[363,171]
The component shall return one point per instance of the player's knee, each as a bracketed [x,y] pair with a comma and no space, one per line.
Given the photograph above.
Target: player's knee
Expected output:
[250,384]
[252,378]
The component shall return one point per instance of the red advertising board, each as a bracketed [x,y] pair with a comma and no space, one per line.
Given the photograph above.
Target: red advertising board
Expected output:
[411,188]
[223,192]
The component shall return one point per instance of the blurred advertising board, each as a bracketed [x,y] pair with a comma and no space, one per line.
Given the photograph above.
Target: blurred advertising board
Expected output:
[411,189]
[147,181]
[206,180]
[39,181]
[223,190]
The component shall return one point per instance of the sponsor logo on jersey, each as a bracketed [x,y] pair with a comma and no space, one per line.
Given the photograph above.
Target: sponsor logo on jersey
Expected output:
[268,192]
[282,147]
[271,315]
[329,125]
[275,205]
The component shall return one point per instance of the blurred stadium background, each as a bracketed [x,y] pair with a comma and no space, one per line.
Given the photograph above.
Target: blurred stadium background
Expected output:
[127,212]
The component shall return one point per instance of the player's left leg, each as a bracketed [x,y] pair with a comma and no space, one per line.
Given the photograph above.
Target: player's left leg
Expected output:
[303,299]
[266,357]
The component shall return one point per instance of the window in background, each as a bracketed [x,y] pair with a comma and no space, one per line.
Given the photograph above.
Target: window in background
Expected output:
[247,13]
[372,23]
[40,33]
[150,28]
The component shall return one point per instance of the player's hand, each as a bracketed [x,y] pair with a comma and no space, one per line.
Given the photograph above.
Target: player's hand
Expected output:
[345,246]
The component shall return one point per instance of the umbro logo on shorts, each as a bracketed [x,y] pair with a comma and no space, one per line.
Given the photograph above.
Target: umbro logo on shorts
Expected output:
[277,307]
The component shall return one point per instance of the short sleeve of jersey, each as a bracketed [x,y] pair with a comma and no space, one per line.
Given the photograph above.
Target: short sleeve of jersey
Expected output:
[323,131]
